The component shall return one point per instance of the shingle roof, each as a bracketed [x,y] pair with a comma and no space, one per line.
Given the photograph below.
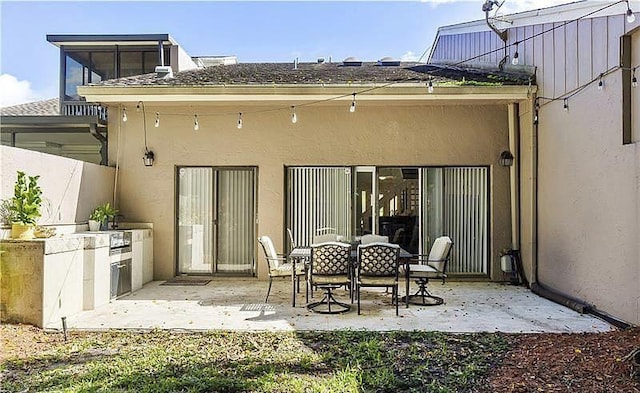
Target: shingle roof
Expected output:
[50,107]
[319,74]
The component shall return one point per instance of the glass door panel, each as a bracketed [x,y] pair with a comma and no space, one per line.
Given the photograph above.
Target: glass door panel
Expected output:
[364,201]
[235,221]
[398,206]
[195,218]
[318,202]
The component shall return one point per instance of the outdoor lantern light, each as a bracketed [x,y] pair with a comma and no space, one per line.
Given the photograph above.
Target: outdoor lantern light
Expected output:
[148,158]
[506,158]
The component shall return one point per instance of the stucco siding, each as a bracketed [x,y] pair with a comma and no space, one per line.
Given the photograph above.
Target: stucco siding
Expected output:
[377,134]
[71,189]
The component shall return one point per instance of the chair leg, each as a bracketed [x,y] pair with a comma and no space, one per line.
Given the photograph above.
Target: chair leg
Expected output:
[395,297]
[268,290]
[358,295]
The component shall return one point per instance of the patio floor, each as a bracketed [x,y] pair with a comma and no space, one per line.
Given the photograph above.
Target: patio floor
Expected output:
[238,304]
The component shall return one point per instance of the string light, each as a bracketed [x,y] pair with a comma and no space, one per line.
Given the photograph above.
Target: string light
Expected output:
[196,125]
[565,106]
[515,60]
[124,114]
[630,16]
[140,103]
[294,116]
[239,120]
[352,108]
[634,80]
[157,123]
[600,83]
[430,86]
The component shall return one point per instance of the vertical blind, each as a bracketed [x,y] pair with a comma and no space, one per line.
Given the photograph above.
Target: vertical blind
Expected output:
[195,217]
[235,218]
[318,198]
[465,218]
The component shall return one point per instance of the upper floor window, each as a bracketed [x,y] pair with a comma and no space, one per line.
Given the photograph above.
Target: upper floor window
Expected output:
[84,66]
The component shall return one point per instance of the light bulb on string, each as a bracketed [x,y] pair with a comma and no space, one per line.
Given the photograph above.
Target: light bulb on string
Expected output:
[239,120]
[600,83]
[294,116]
[565,105]
[430,86]
[196,125]
[630,15]
[124,114]
[515,59]
[157,123]
[352,108]
[634,79]
[138,106]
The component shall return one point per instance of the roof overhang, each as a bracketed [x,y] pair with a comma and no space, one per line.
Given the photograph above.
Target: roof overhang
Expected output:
[50,123]
[109,39]
[266,94]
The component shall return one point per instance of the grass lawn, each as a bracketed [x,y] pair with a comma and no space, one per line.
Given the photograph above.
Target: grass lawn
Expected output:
[165,361]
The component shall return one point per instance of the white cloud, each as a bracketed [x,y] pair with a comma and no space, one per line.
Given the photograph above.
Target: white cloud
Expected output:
[410,56]
[14,91]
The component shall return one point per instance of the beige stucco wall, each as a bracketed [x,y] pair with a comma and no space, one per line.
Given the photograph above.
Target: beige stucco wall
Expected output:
[377,134]
[588,202]
[71,189]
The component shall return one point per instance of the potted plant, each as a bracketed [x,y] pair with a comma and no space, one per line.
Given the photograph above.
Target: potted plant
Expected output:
[25,206]
[100,216]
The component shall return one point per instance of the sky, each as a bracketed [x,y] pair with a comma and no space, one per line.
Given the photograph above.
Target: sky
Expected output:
[254,31]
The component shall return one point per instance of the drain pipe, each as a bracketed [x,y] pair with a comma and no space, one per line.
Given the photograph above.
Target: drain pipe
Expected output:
[514,182]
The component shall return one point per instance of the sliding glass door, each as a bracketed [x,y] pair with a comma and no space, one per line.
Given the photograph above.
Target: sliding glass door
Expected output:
[216,220]
[412,206]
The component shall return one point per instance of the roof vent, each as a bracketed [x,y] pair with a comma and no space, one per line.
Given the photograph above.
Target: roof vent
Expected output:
[164,72]
[352,62]
[320,60]
[388,62]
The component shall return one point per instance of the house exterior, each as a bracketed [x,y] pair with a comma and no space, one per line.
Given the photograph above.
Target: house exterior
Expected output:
[417,157]
[582,199]
[69,126]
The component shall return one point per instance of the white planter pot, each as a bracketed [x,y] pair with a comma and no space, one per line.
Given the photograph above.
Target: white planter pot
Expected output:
[94,225]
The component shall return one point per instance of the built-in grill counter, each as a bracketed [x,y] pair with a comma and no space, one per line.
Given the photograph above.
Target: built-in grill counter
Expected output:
[44,280]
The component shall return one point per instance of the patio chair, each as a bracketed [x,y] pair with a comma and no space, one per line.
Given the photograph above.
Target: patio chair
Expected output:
[429,266]
[330,269]
[368,239]
[327,237]
[378,267]
[292,243]
[277,263]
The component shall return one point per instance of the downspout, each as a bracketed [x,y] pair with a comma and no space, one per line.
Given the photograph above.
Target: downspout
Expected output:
[514,183]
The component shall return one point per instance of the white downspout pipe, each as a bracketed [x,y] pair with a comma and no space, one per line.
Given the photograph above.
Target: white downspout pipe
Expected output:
[514,170]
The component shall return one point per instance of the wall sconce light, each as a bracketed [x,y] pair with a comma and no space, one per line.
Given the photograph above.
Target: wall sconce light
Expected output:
[148,158]
[506,158]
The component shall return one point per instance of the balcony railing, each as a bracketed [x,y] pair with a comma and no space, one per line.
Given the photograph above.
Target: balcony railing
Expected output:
[84,109]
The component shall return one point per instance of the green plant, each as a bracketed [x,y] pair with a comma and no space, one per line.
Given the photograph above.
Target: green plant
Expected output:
[103,213]
[27,199]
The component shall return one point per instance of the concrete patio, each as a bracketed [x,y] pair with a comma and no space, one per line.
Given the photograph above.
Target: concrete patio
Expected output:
[238,304]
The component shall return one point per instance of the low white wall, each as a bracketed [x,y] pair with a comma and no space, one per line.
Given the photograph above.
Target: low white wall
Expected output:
[71,189]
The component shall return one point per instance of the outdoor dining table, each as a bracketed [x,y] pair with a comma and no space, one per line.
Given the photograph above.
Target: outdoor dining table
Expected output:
[303,254]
